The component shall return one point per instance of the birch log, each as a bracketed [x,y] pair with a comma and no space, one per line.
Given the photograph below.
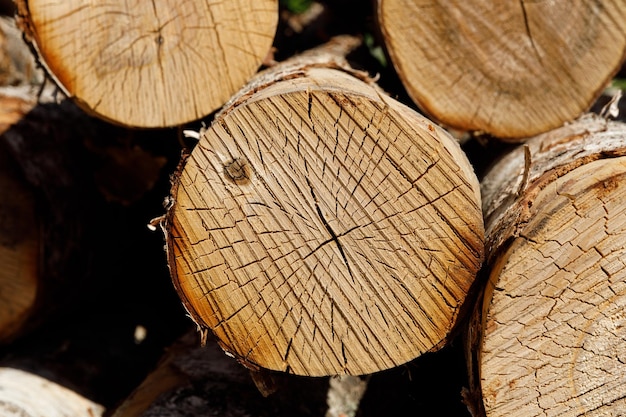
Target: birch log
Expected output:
[549,338]
[150,64]
[320,227]
[513,69]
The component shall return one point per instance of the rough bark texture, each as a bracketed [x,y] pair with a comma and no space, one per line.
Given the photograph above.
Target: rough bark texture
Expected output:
[549,336]
[320,227]
[512,69]
[151,64]
[17,64]
[23,394]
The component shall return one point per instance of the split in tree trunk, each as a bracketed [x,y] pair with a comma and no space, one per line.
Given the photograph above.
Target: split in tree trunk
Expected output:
[320,227]
[549,335]
[511,69]
[150,64]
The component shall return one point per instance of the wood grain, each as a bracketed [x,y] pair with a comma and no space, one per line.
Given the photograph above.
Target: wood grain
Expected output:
[150,64]
[552,321]
[320,227]
[23,394]
[512,69]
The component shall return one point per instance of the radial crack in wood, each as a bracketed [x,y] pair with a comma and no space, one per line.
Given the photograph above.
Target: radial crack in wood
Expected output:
[554,310]
[513,69]
[354,242]
[150,64]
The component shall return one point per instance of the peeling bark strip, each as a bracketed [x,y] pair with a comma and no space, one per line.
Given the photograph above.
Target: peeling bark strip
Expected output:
[351,243]
[550,335]
[150,63]
[513,69]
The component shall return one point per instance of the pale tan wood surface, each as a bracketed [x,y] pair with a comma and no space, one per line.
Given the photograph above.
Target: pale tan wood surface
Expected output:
[24,394]
[320,227]
[150,64]
[512,69]
[552,322]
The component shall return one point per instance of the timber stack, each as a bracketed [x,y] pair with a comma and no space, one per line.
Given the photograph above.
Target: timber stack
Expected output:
[330,214]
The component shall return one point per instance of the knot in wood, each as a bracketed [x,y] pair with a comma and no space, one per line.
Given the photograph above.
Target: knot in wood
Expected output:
[237,170]
[354,248]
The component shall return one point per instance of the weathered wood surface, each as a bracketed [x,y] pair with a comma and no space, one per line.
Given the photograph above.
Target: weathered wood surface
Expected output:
[549,336]
[150,64]
[511,69]
[320,227]
[23,394]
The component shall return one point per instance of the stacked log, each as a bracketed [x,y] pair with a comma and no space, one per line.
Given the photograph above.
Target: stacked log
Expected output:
[20,229]
[71,245]
[23,394]
[509,69]
[548,337]
[320,227]
[192,379]
[150,64]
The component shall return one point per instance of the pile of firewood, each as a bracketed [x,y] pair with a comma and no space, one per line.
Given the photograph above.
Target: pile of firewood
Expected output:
[250,208]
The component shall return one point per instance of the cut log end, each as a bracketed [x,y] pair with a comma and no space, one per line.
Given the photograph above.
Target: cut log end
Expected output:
[555,330]
[152,64]
[512,69]
[320,228]
[554,310]
[23,394]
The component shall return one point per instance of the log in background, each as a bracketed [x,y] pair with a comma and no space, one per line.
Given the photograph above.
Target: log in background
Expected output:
[90,343]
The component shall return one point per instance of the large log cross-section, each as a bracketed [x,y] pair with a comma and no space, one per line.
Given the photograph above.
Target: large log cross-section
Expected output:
[150,63]
[512,69]
[320,227]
